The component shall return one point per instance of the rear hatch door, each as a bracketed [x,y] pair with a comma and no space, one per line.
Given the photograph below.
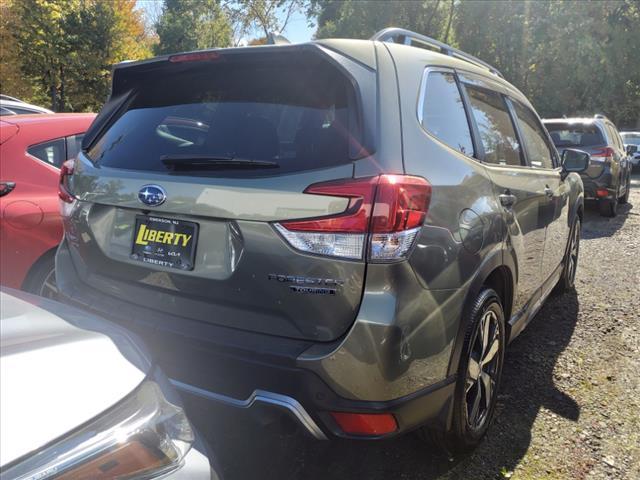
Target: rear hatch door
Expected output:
[185,173]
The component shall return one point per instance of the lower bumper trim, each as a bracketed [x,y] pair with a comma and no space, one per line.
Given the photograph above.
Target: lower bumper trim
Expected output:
[285,402]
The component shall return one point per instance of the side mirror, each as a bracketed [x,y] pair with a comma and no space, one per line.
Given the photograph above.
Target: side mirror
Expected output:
[574,161]
[630,149]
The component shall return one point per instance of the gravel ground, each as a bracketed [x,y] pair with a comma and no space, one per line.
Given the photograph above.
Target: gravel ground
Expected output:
[569,406]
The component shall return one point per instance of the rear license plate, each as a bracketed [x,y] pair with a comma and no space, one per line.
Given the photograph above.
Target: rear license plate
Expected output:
[165,242]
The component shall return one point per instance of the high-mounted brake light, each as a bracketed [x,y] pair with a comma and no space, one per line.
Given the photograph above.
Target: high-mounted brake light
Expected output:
[66,170]
[194,57]
[371,424]
[387,211]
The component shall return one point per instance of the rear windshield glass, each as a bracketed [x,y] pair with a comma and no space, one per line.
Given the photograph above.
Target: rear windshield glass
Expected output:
[632,138]
[293,116]
[567,134]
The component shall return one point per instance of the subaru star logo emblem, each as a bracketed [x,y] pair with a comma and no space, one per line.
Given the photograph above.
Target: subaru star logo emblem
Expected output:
[152,195]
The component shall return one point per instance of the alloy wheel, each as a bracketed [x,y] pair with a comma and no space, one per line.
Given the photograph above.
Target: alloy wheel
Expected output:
[483,369]
[574,249]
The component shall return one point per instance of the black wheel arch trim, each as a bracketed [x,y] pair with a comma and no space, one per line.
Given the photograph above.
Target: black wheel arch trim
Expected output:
[499,258]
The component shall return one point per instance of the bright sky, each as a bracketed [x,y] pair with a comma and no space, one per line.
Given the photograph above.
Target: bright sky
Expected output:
[296,31]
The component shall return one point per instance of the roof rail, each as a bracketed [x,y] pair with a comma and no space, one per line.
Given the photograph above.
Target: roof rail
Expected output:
[407,37]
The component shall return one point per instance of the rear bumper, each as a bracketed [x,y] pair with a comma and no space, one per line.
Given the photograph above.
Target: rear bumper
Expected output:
[306,380]
[591,185]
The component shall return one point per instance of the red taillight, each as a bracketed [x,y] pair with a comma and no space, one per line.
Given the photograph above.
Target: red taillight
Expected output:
[387,211]
[194,57]
[603,152]
[401,203]
[371,424]
[602,192]
[355,219]
[66,170]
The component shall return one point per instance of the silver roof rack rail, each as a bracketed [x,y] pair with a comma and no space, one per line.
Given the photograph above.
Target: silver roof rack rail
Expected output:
[407,37]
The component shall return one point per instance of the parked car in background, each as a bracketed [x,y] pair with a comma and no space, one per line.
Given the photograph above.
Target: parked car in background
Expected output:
[632,143]
[79,399]
[14,106]
[32,149]
[608,178]
[286,226]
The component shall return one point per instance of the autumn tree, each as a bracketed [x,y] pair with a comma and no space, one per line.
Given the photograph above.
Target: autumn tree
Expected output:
[65,48]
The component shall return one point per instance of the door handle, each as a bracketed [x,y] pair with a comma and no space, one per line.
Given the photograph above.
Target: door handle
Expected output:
[548,192]
[507,199]
[6,187]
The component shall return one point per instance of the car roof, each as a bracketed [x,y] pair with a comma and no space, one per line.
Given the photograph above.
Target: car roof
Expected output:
[20,104]
[361,51]
[572,120]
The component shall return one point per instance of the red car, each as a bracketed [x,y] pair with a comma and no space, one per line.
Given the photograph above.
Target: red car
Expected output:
[32,148]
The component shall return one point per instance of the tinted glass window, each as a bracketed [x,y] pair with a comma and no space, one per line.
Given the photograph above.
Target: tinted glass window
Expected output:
[296,115]
[534,138]
[568,134]
[52,152]
[74,145]
[443,112]
[631,138]
[23,111]
[497,134]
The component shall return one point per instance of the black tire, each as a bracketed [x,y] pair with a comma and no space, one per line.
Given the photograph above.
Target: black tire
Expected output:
[567,280]
[41,279]
[468,428]
[625,198]
[608,207]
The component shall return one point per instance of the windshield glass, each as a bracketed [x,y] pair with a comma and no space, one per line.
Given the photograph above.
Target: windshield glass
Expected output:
[567,134]
[632,138]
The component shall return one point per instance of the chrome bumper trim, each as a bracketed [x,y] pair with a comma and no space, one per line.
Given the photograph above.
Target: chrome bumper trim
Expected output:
[259,396]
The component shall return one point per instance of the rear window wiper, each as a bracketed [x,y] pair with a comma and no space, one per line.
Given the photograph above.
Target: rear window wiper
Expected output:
[205,162]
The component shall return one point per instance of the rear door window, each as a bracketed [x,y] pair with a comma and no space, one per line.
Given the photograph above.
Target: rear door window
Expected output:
[298,117]
[535,141]
[442,112]
[569,134]
[52,152]
[498,136]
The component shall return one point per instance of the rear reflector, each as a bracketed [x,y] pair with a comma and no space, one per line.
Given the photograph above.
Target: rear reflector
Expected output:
[371,424]
[387,210]
[194,57]
[66,170]
[602,192]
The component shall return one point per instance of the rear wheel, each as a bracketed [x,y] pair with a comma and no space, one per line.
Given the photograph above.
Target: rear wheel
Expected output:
[568,279]
[608,207]
[625,198]
[479,374]
[42,279]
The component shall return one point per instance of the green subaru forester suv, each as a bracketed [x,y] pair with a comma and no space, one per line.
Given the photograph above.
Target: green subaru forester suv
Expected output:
[349,231]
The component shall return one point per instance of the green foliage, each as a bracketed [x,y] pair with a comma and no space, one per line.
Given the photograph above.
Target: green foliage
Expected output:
[363,18]
[192,25]
[65,48]
[569,57]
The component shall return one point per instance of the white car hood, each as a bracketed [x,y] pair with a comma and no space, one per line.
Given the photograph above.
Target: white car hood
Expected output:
[57,374]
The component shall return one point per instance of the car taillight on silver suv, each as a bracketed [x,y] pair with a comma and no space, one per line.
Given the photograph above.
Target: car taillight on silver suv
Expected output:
[383,217]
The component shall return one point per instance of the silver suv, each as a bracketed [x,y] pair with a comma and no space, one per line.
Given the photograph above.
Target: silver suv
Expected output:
[608,178]
[349,230]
